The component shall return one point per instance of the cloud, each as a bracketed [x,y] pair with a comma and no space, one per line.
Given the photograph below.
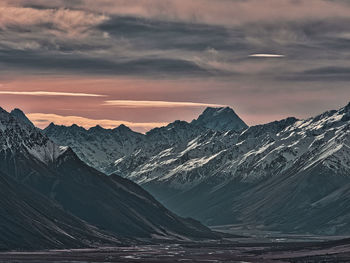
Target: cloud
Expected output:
[222,12]
[42,120]
[330,73]
[179,42]
[59,22]
[50,93]
[266,56]
[130,40]
[104,64]
[157,104]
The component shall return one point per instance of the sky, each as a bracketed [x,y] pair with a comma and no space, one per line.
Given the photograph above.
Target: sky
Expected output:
[145,63]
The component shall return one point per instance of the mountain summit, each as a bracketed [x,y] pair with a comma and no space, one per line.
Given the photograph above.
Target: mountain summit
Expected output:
[21,117]
[220,119]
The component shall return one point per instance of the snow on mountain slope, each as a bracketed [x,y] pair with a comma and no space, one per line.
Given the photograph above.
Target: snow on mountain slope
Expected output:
[100,148]
[223,155]
[258,152]
[19,134]
[210,174]
[183,155]
[97,147]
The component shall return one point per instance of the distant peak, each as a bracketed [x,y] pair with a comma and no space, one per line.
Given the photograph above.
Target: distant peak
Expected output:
[220,119]
[52,124]
[218,110]
[122,127]
[76,127]
[347,107]
[21,117]
[97,127]
[17,110]
[346,113]
[178,122]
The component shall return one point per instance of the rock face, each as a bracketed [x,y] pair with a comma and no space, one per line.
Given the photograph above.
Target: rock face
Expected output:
[291,175]
[44,178]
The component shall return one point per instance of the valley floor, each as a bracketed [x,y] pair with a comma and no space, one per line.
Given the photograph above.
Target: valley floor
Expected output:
[260,247]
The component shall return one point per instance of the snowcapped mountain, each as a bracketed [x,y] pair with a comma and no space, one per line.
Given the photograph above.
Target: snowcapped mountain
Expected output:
[97,147]
[280,175]
[30,160]
[255,153]
[101,148]
[18,134]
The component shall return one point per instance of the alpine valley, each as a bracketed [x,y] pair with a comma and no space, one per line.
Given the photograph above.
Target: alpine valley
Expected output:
[289,175]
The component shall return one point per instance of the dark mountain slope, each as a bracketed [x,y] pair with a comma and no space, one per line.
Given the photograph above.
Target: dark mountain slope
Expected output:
[31,221]
[315,200]
[116,204]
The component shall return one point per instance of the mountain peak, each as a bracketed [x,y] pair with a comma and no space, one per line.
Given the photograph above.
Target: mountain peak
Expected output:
[20,116]
[346,112]
[217,110]
[122,128]
[51,125]
[76,127]
[347,107]
[97,128]
[220,119]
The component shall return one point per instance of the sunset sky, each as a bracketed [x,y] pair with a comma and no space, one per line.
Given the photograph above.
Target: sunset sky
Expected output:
[146,63]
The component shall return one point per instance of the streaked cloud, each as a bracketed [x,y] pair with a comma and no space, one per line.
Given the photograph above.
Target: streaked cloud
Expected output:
[50,93]
[222,12]
[262,55]
[58,21]
[42,120]
[157,104]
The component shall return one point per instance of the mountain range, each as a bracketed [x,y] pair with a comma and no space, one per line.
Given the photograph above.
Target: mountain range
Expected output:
[49,198]
[290,175]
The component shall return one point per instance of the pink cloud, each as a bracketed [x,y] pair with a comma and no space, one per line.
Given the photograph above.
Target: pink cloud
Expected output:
[142,104]
[42,120]
[254,101]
